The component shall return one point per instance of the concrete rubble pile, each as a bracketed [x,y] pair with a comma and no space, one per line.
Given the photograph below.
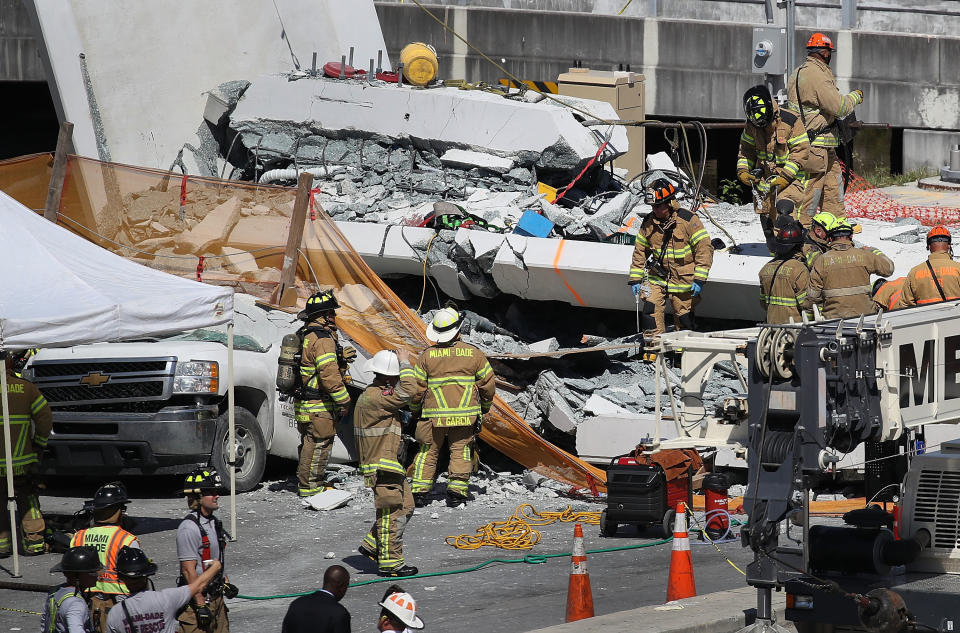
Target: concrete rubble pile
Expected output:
[558,400]
[397,151]
[170,236]
[492,488]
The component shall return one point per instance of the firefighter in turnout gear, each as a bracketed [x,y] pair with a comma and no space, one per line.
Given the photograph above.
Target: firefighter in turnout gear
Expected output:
[773,153]
[938,278]
[784,279]
[455,389]
[66,609]
[812,95]
[887,294]
[201,540]
[378,432]
[840,278]
[30,425]
[671,258]
[323,399]
[109,505]
[815,242]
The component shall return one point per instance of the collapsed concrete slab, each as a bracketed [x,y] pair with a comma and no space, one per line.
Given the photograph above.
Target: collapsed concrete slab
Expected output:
[286,118]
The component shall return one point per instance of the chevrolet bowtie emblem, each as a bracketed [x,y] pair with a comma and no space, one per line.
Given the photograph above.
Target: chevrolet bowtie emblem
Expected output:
[94,379]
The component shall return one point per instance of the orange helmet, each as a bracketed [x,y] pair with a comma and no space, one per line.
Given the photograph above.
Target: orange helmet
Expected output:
[819,40]
[939,234]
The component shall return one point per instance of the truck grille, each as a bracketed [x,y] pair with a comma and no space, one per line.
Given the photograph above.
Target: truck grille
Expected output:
[72,384]
[51,370]
[118,391]
[938,503]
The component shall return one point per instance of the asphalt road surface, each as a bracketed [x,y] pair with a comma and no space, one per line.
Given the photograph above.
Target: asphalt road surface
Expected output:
[281,549]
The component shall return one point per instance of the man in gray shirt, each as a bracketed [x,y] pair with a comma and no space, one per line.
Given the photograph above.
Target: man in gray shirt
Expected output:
[66,609]
[200,540]
[150,611]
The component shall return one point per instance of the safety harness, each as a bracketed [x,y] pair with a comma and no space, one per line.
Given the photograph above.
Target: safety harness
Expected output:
[304,391]
[943,296]
[655,264]
[214,588]
[54,606]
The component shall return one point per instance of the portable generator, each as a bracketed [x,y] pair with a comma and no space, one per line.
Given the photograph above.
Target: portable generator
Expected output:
[639,494]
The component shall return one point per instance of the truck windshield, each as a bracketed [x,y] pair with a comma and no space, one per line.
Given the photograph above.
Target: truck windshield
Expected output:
[240,341]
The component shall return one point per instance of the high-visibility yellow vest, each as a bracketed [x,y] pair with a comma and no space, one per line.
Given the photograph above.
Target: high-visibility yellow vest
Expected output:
[108,539]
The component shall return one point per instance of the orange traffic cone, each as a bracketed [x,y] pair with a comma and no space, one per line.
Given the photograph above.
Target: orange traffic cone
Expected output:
[680,584]
[579,596]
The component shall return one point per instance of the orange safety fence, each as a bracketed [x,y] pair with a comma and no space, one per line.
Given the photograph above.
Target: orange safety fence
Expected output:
[234,233]
[864,200]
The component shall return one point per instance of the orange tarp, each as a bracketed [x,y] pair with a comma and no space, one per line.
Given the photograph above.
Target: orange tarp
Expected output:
[144,214]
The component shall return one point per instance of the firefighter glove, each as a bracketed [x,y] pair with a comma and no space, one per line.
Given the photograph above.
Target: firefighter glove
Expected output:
[204,616]
[230,590]
[747,178]
[777,182]
[697,288]
[349,354]
[857,96]
[478,424]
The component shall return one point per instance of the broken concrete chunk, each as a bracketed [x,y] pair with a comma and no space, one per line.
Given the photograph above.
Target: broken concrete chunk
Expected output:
[660,160]
[238,261]
[264,275]
[156,243]
[561,415]
[213,230]
[897,230]
[546,345]
[467,159]
[598,405]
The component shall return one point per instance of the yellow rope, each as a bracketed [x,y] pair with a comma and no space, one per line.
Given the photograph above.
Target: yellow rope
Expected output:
[517,532]
[20,611]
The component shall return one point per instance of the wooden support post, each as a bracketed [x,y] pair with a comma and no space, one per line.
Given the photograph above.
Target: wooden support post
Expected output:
[286,293]
[55,191]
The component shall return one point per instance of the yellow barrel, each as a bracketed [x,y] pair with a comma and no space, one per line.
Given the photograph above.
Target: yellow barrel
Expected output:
[420,64]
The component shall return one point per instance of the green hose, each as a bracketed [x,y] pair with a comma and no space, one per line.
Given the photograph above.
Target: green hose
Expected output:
[531,559]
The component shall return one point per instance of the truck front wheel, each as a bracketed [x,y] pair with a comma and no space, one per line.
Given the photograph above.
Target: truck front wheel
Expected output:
[250,453]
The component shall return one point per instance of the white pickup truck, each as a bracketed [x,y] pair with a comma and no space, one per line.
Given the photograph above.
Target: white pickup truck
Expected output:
[160,406]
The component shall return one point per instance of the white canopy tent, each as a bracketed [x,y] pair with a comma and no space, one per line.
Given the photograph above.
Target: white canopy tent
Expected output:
[60,289]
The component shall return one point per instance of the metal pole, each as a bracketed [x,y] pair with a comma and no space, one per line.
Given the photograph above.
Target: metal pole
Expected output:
[232,432]
[791,39]
[8,456]
[768,11]
[764,604]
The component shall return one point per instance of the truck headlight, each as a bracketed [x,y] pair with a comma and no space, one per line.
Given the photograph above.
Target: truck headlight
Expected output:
[197,376]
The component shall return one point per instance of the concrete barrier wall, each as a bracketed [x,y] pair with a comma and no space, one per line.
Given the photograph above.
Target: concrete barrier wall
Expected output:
[923,17]
[692,67]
